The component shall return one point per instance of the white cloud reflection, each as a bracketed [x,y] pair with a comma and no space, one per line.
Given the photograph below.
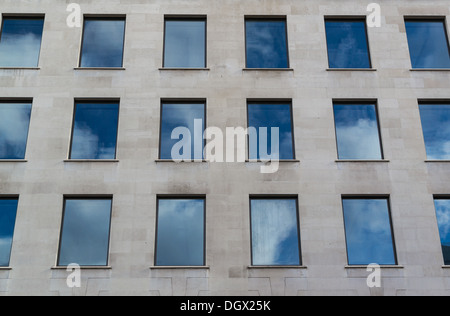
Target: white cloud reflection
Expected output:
[14,124]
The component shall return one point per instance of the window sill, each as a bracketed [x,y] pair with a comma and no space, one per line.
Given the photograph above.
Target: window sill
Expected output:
[100,68]
[20,68]
[368,266]
[13,160]
[363,160]
[445,267]
[185,69]
[268,69]
[179,268]
[276,267]
[82,267]
[91,160]
[351,69]
[437,161]
[430,69]
[5,268]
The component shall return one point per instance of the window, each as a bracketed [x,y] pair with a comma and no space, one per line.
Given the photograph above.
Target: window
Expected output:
[85,232]
[368,231]
[348,46]
[8,211]
[443,217]
[182,127]
[185,43]
[180,239]
[275,232]
[274,129]
[436,129]
[428,43]
[357,131]
[103,42]
[14,125]
[94,133]
[20,42]
[266,43]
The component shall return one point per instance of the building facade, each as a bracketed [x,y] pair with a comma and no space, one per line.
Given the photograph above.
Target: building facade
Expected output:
[101,97]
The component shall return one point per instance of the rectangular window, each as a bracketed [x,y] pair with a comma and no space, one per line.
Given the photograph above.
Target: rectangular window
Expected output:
[103,42]
[185,43]
[8,211]
[357,131]
[94,134]
[85,232]
[348,45]
[182,127]
[274,130]
[266,43]
[443,217]
[436,129]
[428,43]
[14,125]
[368,231]
[180,239]
[20,42]
[275,233]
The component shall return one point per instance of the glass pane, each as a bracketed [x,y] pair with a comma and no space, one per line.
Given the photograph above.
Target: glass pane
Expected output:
[20,43]
[368,232]
[103,43]
[357,131]
[347,44]
[14,125]
[191,118]
[85,232]
[443,217]
[181,227]
[8,211]
[185,44]
[269,116]
[275,236]
[266,44]
[428,44]
[436,130]
[95,131]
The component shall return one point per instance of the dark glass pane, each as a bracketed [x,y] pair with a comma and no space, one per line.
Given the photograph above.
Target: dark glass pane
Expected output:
[347,44]
[95,131]
[14,125]
[428,44]
[191,119]
[266,44]
[85,232]
[357,131]
[368,232]
[103,43]
[436,130]
[8,211]
[275,236]
[20,43]
[271,116]
[181,228]
[443,217]
[185,44]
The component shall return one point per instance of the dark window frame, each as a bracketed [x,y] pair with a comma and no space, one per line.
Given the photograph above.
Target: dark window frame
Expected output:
[272,197]
[384,197]
[92,198]
[262,18]
[94,101]
[356,102]
[424,19]
[349,19]
[181,101]
[180,197]
[273,102]
[185,18]
[437,197]
[110,17]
